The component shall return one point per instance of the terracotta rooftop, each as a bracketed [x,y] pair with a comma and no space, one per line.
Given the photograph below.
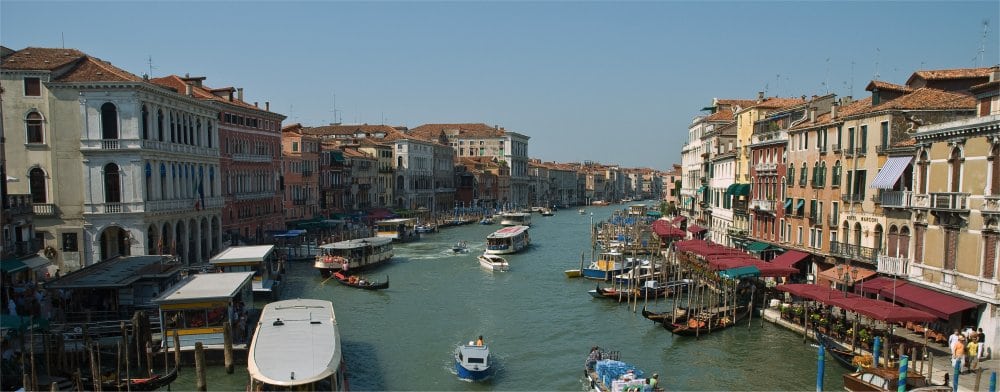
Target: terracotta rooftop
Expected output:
[778,102]
[954,73]
[887,86]
[927,99]
[41,58]
[202,92]
[466,130]
[906,143]
[89,69]
[854,107]
[350,129]
[721,115]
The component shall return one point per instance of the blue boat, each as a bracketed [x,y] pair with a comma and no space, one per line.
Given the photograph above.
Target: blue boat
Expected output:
[473,362]
[608,265]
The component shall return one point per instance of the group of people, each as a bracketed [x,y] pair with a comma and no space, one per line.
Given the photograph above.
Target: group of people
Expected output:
[650,382]
[967,348]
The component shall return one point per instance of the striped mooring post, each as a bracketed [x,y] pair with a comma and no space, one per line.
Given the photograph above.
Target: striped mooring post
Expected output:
[901,384]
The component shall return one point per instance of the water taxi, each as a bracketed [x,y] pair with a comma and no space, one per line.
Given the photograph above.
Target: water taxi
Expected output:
[582,211]
[297,347]
[493,262]
[262,260]
[515,219]
[486,220]
[460,247]
[547,212]
[608,265]
[472,361]
[398,230]
[507,240]
[352,254]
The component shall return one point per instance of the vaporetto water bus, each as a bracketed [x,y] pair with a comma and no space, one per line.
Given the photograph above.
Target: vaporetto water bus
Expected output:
[515,219]
[352,254]
[399,229]
[297,347]
[507,240]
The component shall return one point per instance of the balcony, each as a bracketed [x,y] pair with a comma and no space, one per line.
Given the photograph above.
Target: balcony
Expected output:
[766,167]
[95,145]
[881,149]
[181,204]
[254,195]
[852,198]
[833,220]
[802,182]
[896,266]
[861,151]
[117,208]
[895,199]
[991,204]
[19,204]
[949,201]
[849,152]
[299,202]
[251,158]
[822,150]
[44,209]
[763,205]
[22,248]
[815,219]
[854,252]
[836,147]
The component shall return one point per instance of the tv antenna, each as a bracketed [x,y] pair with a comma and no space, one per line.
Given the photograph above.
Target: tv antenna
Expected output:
[978,60]
[826,78]
[877,53]
[336,116]
[149,62]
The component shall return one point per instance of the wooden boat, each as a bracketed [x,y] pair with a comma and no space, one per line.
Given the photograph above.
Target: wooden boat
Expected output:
[640,293]
[608,265]
[709,321]
[426,228]
[573,273]
[841,354]
[359,282]
[508,240]
[493,262]
[473,361]
[887,379]
[676,315]
[296,346]
[153,383]
[399,229]
[352,254]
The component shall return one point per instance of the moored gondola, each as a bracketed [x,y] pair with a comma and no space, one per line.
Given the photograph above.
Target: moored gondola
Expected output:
[660,317]
[842,354]
[707,322]
[359,282]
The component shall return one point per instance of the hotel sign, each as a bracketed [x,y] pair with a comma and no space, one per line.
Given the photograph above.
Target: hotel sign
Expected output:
[863,218]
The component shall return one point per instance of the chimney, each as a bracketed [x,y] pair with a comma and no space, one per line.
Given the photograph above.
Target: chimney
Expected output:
[267,105]
[812,114]
[254,103]
[995,75]
[239,93]
[760,96]
[833,110]
[187,89]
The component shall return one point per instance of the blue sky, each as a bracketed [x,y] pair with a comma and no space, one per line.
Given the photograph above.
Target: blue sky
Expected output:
[610,82]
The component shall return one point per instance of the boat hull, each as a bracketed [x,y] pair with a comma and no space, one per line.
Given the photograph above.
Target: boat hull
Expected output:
[473,375]
[573,273]
[598,274]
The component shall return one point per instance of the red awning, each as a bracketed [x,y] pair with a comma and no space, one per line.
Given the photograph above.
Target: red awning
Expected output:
[679,219]
[693,228]
[936,303]
[875,285]
[664,229]
[769,270]
[812,291]
[789,258]
[881,310]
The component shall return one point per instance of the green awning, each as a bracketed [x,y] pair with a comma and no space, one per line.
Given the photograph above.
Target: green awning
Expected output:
[758,246]
[12,265]
[740,272]
[738,190]
[338,156]
[800,204]
[654,213]
[788,203]
[702,189]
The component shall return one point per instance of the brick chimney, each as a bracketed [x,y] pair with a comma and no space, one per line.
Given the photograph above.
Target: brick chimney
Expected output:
[187,89]
[267,105]
[239,93]
[833,110]
[812,114]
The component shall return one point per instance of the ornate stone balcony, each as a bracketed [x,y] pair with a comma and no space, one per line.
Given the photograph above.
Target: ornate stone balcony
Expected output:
[763,205]
[44,209]
[854,252]
[96,145]
[251,158]
[897,266]
[895,199]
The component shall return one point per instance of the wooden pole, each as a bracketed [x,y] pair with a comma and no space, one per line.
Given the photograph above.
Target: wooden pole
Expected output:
[118,354]
[930,365]
[149,358]
[34,372]
[227,339]
[125,342]
[95,373]
[199,366]
[78,380]
[54,387]
[177,351]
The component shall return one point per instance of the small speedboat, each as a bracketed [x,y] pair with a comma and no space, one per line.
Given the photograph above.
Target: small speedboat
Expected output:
[425,228]
[460,247]
[546,212]
[473,362]
[486,221]
[493,262]
[583,211]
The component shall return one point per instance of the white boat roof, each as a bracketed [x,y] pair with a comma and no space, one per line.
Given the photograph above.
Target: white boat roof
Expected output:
[242,254]
[516,214]
[303,348]
[507,232]
[357,243]
[205,287]
[396,220]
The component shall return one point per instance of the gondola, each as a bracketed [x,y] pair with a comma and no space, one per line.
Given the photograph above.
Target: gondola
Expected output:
[708,322]
[153,383]
[659,317]
[842,354]
[640,293]
[361,283]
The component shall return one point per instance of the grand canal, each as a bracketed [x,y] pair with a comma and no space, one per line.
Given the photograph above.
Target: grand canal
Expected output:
[539,324]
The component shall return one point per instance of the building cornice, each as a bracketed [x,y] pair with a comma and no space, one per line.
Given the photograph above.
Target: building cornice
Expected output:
[959,128]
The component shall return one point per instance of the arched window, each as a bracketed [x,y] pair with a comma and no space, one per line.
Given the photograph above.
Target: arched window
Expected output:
[401,181]
[145,123]
[159,124]
[33,126]
[109,121]
[399,163]
[893,241]
[112,184]
[857,234]
[173,128]
[836,174]
[208,134]
[804,174]
[148,179]
[903,249]
[791,173]
[822,174]
[36,185]
[878,239]
[956,169]
[924,162]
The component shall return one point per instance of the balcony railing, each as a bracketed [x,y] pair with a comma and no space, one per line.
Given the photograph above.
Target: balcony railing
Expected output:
[881,149]
[766,167]
[182,204]
[138,144]
[815,218]
[849,152]
[251,158]
[299,202]
[836,147]
[254,195]
[833,220]
[952,201]
[854,252]
[897,266]
[44,209]
[861,150]
[895,199]
[115,208]
[852,198]
[762,205]
[19,204]
[991,203]
[822,149]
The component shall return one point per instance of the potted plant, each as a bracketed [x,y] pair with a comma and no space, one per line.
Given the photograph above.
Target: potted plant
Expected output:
[797,314]
[865,337]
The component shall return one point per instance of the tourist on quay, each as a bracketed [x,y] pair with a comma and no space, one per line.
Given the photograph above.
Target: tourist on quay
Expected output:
[953,339]
[958,352]
[972,354]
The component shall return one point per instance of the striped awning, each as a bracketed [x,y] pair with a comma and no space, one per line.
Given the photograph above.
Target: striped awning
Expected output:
[893,168]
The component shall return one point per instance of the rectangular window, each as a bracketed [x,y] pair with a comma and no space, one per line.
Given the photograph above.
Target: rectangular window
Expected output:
[69,243]
[885,135]
[840,132]
[859,183]
[850,138]
[819,237]
[295,146]
[835,213]
[781,227]
[799,239]
[864,139]
[984,107]
[32,87]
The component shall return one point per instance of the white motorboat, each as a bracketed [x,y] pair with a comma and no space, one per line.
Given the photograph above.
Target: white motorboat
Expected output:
[493,262]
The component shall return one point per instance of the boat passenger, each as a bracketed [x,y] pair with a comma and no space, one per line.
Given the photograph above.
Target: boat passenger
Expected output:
[653,380]
[595,355]
[479,342]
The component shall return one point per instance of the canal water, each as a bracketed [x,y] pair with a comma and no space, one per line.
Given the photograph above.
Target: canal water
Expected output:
[539,324]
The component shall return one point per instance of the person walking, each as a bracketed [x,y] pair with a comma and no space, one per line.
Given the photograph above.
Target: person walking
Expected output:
[972,355]
[958,352]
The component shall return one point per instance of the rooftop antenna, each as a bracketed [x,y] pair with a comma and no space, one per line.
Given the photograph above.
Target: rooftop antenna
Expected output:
[149,62]
[777,83]
[982,44]
[877,53]
[850,88]
[336,117]
[63,35]
[827,77]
